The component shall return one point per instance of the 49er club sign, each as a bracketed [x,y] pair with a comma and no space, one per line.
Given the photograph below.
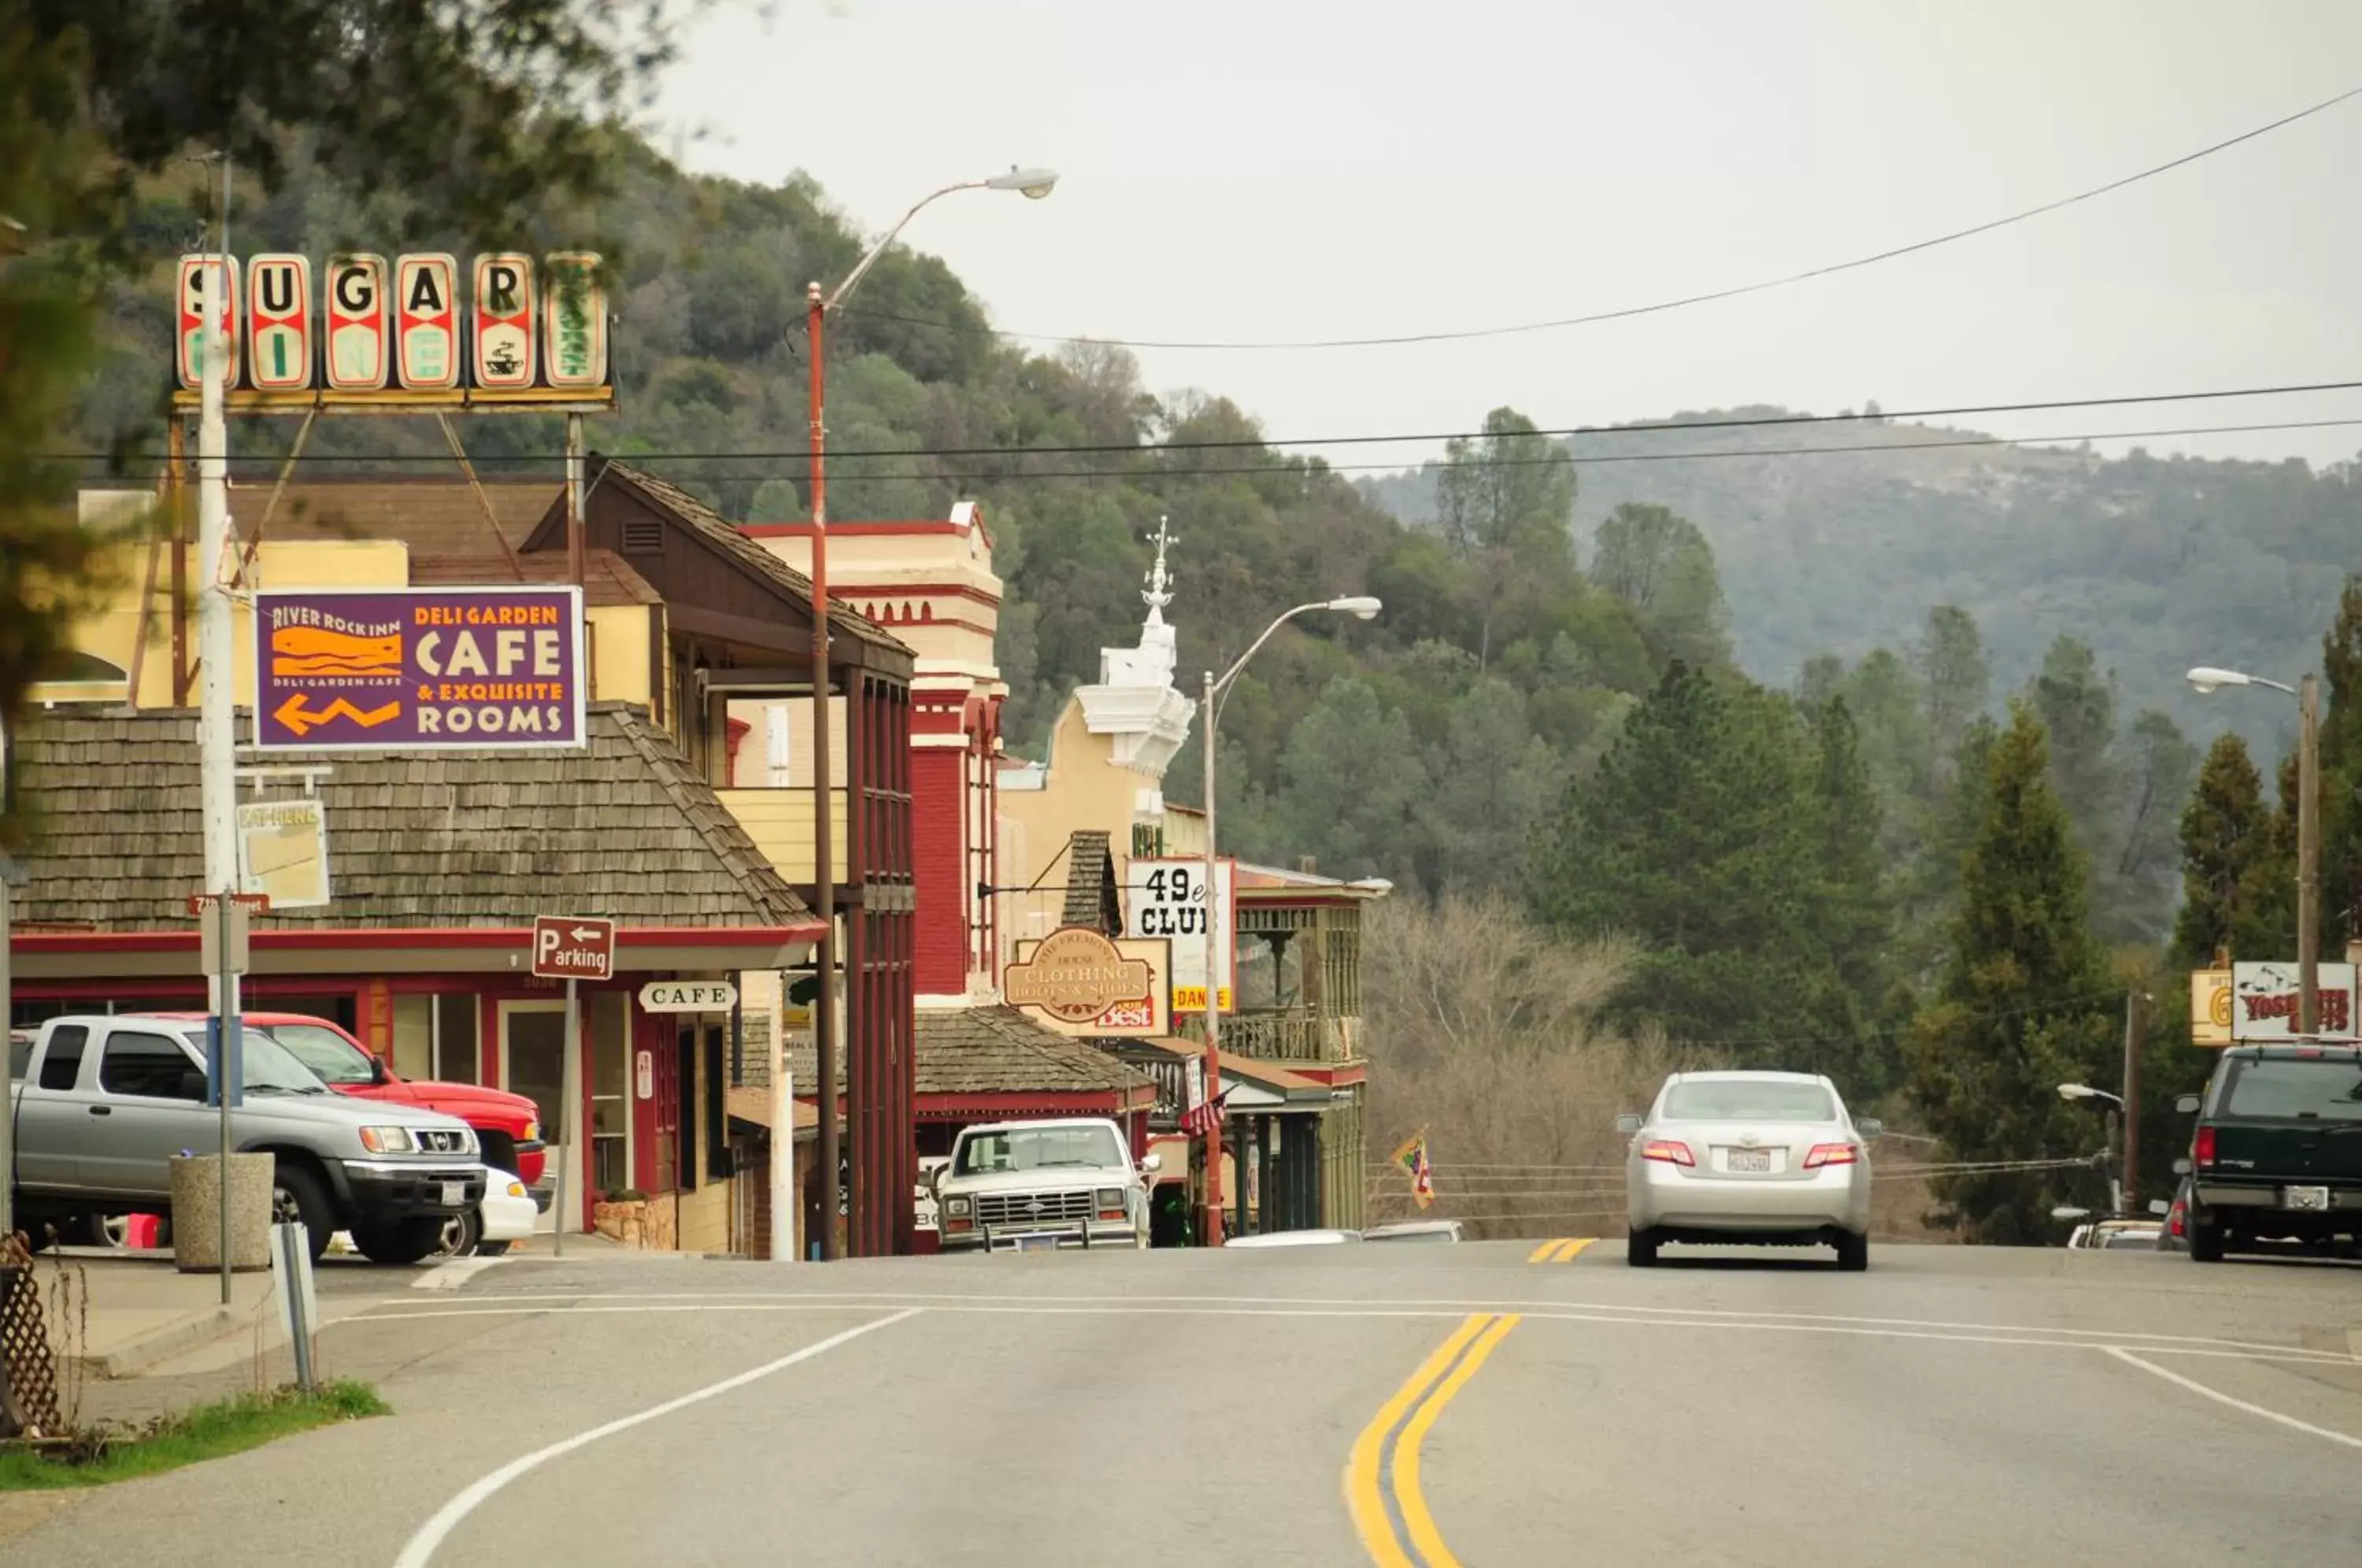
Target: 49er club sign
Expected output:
[508,329]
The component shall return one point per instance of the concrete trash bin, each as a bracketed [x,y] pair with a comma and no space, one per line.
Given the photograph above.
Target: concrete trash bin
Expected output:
[197,1211]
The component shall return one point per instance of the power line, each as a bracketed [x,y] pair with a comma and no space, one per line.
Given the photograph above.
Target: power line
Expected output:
[1752,422]
[1628,312]
[1315,467]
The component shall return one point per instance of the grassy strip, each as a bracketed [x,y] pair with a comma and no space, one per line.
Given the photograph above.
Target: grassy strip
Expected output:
[202,1433]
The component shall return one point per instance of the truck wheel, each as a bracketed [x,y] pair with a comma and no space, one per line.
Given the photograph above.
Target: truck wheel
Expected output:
[2205,1241]
[402,1243]
[296,1194]
[458,1235]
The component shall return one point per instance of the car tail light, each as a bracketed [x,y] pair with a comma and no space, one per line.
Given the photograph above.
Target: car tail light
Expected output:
[1829,1154]
[2202,1148]
[2173,1221]
[1668,1151]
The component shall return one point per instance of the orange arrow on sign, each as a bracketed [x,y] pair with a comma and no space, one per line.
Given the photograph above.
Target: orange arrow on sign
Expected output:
[303,721]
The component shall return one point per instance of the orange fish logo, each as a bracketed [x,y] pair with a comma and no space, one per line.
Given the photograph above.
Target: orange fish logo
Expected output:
[314,650]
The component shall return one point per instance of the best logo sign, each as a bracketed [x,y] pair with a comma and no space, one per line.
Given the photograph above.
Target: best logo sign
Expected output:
[419,670]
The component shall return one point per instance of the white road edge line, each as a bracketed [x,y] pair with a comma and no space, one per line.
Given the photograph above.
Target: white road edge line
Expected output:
[2222,1398]
[431,1535]
[1031,1310]
[1457,1305]
[453,1273]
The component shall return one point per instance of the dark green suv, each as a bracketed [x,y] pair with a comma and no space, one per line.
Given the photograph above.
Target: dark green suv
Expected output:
[2277,1155]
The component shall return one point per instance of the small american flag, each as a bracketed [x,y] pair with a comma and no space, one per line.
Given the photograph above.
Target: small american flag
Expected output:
[1205,1117]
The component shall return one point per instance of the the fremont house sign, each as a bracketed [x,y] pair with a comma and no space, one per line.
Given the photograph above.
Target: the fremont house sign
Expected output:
[1076,975]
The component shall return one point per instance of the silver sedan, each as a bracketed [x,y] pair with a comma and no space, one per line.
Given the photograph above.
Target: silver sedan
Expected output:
[1767,1158]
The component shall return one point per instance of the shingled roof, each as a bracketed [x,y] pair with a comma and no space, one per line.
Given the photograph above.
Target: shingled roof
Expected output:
[1090,882]
[995,1050]
[419,839]
[725,536]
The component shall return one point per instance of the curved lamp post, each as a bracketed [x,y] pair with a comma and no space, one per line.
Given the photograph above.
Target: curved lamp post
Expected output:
[1362,607]
[1034,183]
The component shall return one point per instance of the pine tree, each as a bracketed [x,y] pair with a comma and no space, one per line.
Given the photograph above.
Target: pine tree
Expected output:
[1698,838]
[2263,922]
[2025,1005]
[2341,774]
[2224,830]
[1852,915]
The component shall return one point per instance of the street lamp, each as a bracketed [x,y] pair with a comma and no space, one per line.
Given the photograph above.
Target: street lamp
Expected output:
[1034,183]
[2085,1092]
[2307,692]
[1361,607]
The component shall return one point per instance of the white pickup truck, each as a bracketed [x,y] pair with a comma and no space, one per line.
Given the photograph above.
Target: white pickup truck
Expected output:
[1017,1186]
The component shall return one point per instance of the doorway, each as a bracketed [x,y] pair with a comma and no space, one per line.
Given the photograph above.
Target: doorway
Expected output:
[532,1058]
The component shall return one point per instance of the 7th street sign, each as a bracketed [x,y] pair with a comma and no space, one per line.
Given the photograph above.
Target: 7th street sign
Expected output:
[570,947]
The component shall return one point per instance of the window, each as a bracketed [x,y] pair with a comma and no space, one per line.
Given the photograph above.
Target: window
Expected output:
[1039,1148]
[2329,1088]
[62,1067]
[337,1059]
[150,1065]
[1748,1099]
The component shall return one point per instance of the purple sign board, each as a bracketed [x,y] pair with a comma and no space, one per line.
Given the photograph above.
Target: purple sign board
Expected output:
[419,670]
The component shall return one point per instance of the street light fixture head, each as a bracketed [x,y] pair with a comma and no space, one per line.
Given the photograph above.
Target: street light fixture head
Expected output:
[2206,679]
[1361,606]
[2075,1092]
[1035,183]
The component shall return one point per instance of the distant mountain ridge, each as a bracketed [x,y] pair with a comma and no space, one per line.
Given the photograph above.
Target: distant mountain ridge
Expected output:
[2158,563]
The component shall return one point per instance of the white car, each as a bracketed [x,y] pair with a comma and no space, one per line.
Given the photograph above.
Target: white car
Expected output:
[1748,1157]
[504,1218]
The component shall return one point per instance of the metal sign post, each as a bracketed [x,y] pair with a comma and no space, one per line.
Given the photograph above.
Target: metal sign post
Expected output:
[570,948]
[224,923]
[571,1090]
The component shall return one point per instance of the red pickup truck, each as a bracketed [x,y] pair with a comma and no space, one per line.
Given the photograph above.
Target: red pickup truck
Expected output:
[507,1125]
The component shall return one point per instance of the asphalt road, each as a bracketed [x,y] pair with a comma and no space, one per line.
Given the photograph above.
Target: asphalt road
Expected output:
[1380,1404]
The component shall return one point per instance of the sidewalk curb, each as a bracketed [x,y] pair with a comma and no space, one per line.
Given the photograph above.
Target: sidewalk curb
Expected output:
[190,1330]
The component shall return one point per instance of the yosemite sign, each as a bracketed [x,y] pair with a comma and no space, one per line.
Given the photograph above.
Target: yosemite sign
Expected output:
[1076,973]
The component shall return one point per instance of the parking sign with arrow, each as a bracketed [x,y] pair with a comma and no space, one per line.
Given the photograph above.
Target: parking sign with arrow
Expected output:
[573,947]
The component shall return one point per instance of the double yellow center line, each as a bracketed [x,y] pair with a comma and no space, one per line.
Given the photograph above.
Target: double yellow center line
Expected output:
[1561,1248]
[1382,1486]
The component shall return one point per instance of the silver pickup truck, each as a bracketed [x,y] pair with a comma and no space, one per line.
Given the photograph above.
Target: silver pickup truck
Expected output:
[104,1103]
[1013,1185]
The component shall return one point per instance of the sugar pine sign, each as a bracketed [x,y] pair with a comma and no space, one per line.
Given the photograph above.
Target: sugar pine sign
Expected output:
[504,329]
[420,669]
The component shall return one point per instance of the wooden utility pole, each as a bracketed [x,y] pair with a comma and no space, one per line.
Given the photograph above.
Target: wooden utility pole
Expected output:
[2131,1117]
[2308,857]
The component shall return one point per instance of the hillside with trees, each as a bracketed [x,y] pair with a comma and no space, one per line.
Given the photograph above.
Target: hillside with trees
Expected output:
[1845,538]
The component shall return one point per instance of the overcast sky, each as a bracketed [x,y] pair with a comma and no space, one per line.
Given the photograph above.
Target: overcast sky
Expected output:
[1295,169]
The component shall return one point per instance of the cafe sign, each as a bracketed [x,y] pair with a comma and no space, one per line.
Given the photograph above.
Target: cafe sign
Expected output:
[419,670]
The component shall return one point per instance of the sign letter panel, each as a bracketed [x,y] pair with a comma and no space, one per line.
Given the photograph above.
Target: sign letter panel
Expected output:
[360,330]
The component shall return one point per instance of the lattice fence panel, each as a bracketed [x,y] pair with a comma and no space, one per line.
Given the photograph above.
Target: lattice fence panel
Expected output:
[28,1363]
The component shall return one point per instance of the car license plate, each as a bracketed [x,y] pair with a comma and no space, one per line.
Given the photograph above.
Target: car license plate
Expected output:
[1037,1244]
[2305,1197]
[1748,1160]
[455,1193]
